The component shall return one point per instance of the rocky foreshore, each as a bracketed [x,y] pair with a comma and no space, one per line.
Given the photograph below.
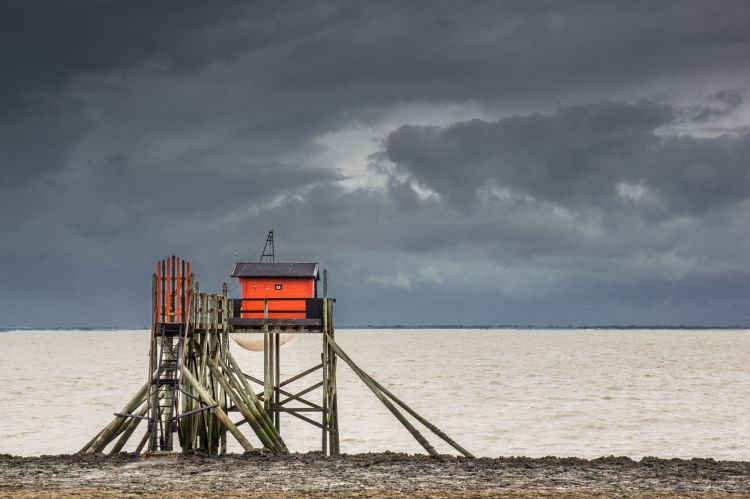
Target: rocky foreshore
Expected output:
[367,475]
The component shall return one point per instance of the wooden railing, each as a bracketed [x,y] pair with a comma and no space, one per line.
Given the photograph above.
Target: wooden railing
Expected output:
[313,307]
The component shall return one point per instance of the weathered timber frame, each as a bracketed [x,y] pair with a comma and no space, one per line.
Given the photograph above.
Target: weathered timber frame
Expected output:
[194,382]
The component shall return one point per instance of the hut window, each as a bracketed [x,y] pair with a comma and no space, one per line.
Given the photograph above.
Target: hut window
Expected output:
[278,287]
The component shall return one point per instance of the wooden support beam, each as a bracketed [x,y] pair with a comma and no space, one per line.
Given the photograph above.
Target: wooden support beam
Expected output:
[233,370]
[142,443]
[222,416]
[379,394]
[300,375]
[434,429]
[307,420]
[109,432]
[298,395]
[128,432]
[265,436]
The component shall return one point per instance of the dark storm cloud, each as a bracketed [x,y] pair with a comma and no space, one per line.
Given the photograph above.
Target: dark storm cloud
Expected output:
[608,156]
[391,50]
[43,44]
[133,130]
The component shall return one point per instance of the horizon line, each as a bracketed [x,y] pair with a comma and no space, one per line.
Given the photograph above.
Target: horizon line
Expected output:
[419,326]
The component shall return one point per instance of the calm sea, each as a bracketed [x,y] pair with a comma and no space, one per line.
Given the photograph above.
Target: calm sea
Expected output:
[583,393]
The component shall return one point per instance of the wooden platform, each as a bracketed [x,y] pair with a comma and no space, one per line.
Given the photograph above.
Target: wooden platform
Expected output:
[242,325]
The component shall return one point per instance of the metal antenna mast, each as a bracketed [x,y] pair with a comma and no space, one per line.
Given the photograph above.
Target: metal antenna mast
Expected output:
[268,251]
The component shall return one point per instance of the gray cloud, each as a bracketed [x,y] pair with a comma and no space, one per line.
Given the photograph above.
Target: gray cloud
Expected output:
[529,162]
[607,156]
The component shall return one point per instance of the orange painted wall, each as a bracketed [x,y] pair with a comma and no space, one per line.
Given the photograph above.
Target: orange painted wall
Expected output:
[265,287]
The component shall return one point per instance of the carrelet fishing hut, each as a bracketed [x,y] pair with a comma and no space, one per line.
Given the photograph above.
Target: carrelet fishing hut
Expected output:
[197,392]
[290,287]
[287,292]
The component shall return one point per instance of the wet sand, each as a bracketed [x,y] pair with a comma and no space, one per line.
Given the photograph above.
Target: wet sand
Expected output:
[367,475]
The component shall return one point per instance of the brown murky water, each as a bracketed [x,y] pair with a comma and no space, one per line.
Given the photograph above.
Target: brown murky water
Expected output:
[497,392]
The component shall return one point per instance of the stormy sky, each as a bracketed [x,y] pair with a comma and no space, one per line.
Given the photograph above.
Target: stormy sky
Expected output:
[500,162]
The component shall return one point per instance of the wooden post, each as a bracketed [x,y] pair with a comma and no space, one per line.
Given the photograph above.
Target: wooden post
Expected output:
[189,422]
[326,410]
[334,409]
[277,379]
[213,382]
[222,355]
[266,360]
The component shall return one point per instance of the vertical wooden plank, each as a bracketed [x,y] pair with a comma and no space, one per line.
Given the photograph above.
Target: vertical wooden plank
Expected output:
[157,317]
[183,292]
[164,290]
[168,285]
[173,284]
[162,305]
[177,290]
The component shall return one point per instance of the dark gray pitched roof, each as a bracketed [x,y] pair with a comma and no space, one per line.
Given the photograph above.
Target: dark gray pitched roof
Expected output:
[275,270]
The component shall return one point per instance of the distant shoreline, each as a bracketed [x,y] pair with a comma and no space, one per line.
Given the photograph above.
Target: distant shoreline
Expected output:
[433,326]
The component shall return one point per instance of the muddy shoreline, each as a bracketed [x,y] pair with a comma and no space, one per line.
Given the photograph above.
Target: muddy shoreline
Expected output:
[367,475]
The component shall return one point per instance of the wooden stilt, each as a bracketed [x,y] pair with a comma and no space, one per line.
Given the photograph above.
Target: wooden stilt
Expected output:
[266,437]
[132,425]
[234,370]
[203,393]
[334,410]
[224,341]
[107,434]
[277,379]
[142,443]
[324,418]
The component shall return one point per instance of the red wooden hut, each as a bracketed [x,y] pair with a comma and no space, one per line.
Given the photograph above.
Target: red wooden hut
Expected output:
[287,286]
